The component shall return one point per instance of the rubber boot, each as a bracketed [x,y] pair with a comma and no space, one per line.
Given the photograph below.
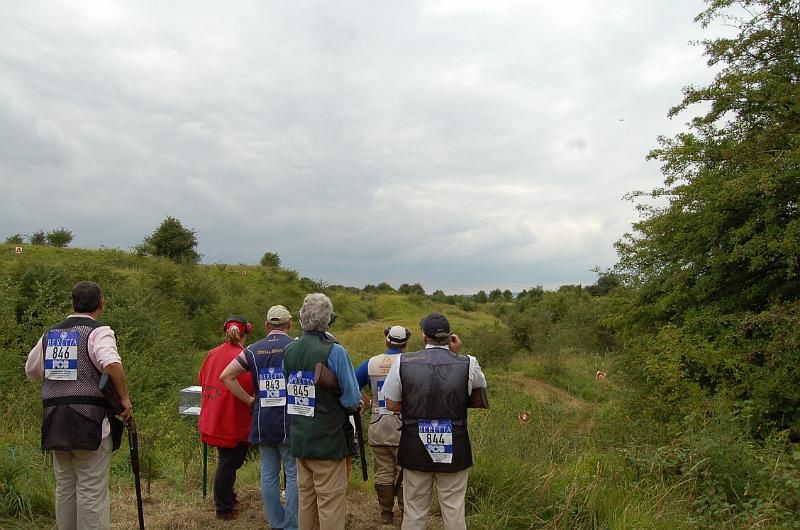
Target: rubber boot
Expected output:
[386,501]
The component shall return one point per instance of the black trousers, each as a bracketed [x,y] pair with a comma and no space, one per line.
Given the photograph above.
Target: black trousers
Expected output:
[230,460]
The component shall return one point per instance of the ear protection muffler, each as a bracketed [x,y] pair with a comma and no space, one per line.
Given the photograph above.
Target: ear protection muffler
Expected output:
[248,327]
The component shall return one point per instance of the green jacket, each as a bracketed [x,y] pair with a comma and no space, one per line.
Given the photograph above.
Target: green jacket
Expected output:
[321,436]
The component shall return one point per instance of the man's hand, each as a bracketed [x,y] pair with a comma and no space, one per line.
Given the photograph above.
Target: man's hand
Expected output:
[455,343]
[127,412]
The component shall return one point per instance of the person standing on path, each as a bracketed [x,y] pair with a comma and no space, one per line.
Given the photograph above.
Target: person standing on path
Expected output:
[318,417]
[77,424]
[384,425]
[432,388]
[270,423]
[225,420]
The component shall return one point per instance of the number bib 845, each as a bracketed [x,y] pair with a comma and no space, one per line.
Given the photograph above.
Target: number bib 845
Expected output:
[300,393]
[61,356]
[437,437]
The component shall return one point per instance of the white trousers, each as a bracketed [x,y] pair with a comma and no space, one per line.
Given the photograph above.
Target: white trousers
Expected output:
[451,487]
[82,501]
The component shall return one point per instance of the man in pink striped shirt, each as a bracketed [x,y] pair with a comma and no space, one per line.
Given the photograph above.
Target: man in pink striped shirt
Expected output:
[69,359]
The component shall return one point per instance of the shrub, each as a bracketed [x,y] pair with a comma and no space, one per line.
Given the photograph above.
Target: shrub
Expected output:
[59,238]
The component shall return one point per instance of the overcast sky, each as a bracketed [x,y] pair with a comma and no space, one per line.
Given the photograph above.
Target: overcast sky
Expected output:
[462,144]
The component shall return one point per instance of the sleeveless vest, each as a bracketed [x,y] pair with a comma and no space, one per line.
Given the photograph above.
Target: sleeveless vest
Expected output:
[321,437]
[434,387]
[73,411]
[270,425]
[224,420]
[384,426]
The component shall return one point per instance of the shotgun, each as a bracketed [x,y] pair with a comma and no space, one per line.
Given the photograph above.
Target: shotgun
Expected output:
[110,393]
[324,378]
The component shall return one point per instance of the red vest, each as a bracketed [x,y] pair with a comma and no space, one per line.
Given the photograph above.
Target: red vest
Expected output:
[224,420]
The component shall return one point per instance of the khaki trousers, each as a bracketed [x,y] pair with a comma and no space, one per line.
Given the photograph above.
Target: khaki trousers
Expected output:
[386,466]
[322,492]
[451,487]
[82,501]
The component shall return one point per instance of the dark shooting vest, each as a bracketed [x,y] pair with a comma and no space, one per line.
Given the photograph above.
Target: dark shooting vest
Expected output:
[73,411]
[270,423]
[434,388]
[321,437]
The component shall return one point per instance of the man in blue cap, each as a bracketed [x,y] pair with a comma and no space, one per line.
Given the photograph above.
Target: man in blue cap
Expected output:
[431,388]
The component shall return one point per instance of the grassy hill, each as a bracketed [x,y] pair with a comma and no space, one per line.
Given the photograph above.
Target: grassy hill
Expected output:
[584,459]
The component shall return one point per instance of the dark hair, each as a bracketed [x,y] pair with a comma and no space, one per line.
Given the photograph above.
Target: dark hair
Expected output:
[86,297]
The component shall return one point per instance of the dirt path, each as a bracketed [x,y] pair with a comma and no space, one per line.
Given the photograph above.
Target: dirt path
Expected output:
[165,510]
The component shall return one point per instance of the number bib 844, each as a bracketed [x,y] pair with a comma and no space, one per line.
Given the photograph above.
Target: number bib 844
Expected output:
[437,437]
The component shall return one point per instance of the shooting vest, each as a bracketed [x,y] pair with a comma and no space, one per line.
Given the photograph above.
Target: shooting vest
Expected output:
[434,436]
[384,426]
[270,423]
[73,408]
[321,436]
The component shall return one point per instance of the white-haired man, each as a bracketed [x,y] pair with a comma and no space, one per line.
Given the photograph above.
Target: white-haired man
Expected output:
[318,417]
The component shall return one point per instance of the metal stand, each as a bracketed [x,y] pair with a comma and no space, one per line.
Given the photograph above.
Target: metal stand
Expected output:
[205,468]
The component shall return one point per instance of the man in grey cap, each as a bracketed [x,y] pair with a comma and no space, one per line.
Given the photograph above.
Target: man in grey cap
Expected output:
[384,425]
[270,426]
[431,388]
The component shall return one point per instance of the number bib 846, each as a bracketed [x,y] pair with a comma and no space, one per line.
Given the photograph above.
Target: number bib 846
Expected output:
[271,387]
[301,395]
[437,437]
[61,356]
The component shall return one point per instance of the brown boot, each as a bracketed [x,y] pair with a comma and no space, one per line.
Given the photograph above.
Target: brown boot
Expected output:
[386,501]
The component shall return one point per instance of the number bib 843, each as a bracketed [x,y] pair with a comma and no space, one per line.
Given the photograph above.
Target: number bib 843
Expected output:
[61,356]
[271,387]
[437,437]
[300,393]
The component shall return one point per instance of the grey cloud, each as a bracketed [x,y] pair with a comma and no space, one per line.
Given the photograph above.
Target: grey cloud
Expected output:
[460,144]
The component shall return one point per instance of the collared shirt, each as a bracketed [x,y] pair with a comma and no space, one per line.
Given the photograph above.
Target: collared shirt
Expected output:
[393,388]
[102,352]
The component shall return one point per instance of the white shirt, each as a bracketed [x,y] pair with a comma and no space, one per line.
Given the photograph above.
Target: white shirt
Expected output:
[393,388]
[102,352]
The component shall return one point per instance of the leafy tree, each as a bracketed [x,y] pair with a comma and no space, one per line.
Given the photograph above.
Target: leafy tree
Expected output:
[730,232]
[495,295]
[606,282]
[271,259]
[715,264]
[59,238]
[414,288]
[14,239]
[508,296]
[171,240]
[480,297]
[38,238]
[385,287]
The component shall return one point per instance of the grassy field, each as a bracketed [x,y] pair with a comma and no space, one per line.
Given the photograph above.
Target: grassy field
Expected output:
[584,458]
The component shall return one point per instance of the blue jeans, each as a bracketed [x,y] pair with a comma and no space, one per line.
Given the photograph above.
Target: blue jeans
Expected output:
[271,458]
